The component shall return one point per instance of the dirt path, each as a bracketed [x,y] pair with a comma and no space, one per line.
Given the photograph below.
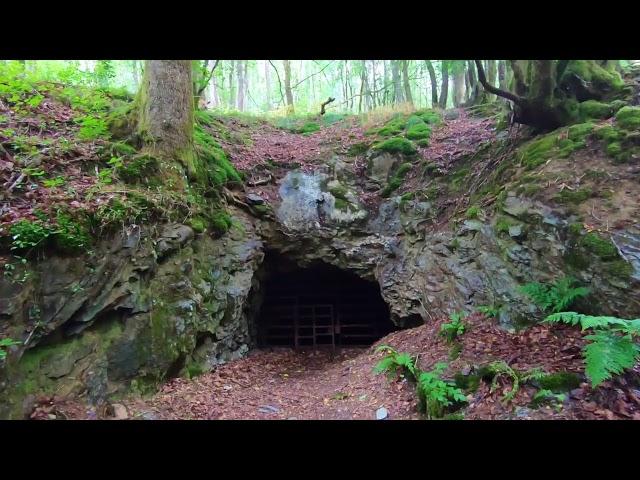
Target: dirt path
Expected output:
[284,384]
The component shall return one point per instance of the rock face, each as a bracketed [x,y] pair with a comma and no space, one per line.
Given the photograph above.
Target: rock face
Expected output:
[149,305]
[136,311]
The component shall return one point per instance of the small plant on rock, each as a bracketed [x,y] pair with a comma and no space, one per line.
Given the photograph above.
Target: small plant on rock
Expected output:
[555,297]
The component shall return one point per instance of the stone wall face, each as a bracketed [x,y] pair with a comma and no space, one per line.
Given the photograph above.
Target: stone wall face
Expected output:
[161,300]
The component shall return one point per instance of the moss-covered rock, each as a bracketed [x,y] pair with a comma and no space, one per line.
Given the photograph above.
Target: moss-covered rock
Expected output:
[594,109]
[396,180]
[396,145]
[560,382]
[599,246]
[628,118]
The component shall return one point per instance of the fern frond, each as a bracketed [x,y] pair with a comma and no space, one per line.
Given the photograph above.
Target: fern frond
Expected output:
[609,354]
[384,365]
[385,348]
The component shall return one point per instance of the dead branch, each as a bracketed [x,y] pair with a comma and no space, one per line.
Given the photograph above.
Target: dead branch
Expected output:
[322,109]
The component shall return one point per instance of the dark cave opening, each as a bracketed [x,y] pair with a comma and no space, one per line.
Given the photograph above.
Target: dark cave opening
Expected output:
[318,306]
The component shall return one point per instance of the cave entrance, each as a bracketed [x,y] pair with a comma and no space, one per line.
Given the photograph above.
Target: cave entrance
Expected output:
[319,306]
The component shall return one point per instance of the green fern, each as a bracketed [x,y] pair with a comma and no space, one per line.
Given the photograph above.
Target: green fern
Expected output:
[613,347]
[554,297]
[395,363]
[435,394]
[454,328]
[490,310]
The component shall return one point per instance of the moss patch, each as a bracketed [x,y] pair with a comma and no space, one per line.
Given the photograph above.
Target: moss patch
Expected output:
[595,109]
[396,145]
[396,180]
[628,118]
[599,246]
[574,196]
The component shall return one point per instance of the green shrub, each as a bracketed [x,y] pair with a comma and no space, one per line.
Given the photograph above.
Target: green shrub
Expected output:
[28,234]
[396,364]
[70,234]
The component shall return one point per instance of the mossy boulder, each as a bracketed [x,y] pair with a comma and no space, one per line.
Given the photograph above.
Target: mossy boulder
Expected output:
[396,145]
[594,109]
[628,118]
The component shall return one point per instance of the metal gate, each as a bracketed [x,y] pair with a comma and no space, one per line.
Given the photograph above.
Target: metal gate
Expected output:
[302,321]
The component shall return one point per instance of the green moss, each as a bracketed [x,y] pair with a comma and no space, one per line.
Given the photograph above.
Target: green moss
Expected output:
[198,224]
[560,382]
[538,151]
[575,196]
[458,178]
[212,162]
[472,212]
[468,383]
[503,224]
[309,128]
[429,116]
[614,149]
[339,191]
[136,168]
[617,105]
[393,127]
[423,142]
[591,72]
[628,118]
[580,131]
[358,149]
[619,269]
[396,180]
[396,145]
[601,247]
[419,131]
[595,109]
[221,222]
[575,229]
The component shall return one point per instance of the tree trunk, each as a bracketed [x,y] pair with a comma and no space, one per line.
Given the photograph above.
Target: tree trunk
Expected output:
[287,85]
[232,97]
[241,79]
[434,84]
[166,111]
[267,85]
[458,88]
[405,78]
[491,77]
[444,92]
[398,96]
[374,82]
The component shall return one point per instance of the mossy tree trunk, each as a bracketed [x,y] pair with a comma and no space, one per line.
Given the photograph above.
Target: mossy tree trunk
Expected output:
[166,111]
[547,92]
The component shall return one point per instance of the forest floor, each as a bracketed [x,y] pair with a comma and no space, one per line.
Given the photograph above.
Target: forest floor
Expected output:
[284,384]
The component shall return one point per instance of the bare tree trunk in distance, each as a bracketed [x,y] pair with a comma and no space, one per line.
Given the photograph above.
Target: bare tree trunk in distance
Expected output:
[287,85]
[405,78]
[444,91]
[434,84]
